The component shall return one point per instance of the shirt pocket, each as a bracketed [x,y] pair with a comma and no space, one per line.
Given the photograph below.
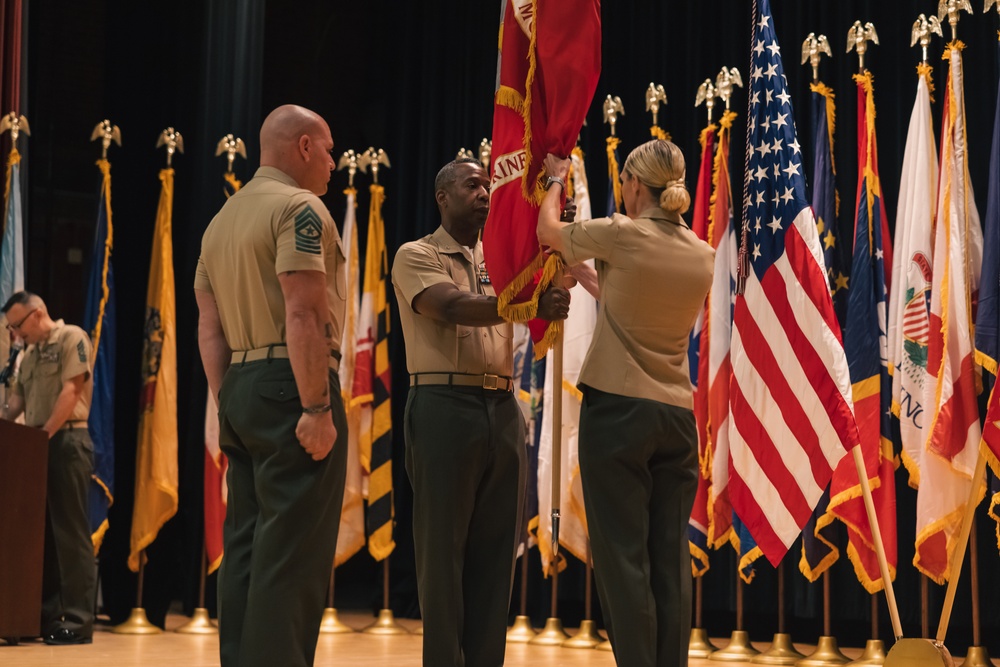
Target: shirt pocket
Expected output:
[340,284]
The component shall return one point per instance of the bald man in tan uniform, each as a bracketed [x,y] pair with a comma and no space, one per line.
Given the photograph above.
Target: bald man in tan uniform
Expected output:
[53,389]
[464,430]
[270,287]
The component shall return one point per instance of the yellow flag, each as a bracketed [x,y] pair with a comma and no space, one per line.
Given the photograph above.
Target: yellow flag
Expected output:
[156,453]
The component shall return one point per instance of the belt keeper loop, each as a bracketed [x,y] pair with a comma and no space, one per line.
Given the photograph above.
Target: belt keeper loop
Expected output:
[270,352]
[451,380]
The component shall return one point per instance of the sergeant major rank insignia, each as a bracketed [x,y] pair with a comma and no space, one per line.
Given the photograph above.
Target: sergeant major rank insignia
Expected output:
[308,232]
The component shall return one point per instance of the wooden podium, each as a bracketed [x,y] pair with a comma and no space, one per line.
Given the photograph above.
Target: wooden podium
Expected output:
[24,455]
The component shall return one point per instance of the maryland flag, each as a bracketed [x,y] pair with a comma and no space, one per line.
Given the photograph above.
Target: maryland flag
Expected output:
[549,63]
[372,382]
[818,549]
[698,362]
[156,454]
[351,536]
[865,345]
[99,320]
[953,434]
[216,492]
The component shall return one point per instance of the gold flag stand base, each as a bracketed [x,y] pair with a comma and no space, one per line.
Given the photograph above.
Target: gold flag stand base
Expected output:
[521,632]
[699,645]
[874,653]
[782,652]
[977,656]
[137,624]
[586,637]
[918,653]
[604,646]
[551,635]
[738,650]
[419,630]
[332,625]
[385,625]
[826,653]
[200,624]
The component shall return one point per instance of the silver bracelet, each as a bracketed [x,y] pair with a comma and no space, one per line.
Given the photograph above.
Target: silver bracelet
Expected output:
[316,409]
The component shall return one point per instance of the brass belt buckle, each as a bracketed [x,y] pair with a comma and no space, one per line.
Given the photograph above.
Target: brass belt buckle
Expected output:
[491,381]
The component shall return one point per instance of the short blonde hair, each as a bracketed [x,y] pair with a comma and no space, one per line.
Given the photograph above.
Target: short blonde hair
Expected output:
[659,165]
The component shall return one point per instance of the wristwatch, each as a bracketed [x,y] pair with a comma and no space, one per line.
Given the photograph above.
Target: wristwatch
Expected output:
[554,179]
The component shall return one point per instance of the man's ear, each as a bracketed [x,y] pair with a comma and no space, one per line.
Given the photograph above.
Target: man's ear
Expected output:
[305,147]
[441,197]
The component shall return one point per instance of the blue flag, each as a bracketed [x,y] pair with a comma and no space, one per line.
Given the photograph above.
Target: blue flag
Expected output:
[12,246]
[818,549]
[988,318]
[99,321]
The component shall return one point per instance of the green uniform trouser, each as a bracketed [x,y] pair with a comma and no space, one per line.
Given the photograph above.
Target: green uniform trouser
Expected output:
[639,466]
[282,518]
[466,461]
[69,574]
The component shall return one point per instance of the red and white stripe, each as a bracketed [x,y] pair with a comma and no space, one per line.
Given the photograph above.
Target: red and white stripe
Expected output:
[792,412]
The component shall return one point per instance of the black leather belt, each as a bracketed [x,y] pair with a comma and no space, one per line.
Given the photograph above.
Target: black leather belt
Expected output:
[485,381]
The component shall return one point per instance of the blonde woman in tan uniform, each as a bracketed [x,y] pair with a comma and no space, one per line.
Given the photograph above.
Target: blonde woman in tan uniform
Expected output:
[270,287]
[638,444]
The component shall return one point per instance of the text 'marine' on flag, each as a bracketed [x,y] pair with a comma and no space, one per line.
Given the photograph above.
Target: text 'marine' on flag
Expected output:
[953,436]
[698,360]
[722,236]
[156,453]
[988,317]
[372,384]
[99,321]
[790,395]
[549,63]
[819,551]
[351,535]
[866,345]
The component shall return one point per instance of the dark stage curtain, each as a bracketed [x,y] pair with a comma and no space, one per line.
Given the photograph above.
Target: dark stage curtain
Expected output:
[417,79]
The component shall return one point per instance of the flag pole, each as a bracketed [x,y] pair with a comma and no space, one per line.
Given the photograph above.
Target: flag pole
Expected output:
[331,623]
[522,632]
[138,623]
[553,634]
[586,636]
[782,651]
[200,624]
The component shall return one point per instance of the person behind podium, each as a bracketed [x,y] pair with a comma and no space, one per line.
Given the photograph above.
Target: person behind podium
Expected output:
[53,389]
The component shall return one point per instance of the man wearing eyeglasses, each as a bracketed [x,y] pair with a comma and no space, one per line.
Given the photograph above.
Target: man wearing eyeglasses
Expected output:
[53,389]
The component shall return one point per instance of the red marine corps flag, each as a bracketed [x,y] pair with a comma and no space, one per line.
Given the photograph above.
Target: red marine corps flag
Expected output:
[549,63]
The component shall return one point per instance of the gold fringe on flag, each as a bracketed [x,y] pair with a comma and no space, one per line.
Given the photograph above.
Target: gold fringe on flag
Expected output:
[614,173]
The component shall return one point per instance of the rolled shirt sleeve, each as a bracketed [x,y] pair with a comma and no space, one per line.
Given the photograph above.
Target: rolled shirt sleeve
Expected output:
[590,239]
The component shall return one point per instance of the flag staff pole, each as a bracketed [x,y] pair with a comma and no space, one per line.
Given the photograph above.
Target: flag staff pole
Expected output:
[586,636]
[138,623]
[553,634]
[200,624]
[522,632]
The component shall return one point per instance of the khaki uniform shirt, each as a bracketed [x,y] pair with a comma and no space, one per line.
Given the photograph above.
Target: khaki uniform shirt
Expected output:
[433,346]
[65,354]
[654,274]
[268,227]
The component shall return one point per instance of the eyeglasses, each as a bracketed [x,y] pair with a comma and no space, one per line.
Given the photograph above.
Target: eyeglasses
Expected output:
[18,325]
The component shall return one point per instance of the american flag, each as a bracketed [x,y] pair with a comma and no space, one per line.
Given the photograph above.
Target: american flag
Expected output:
[792,417]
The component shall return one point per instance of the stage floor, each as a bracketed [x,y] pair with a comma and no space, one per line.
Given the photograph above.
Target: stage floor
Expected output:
[359,650]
